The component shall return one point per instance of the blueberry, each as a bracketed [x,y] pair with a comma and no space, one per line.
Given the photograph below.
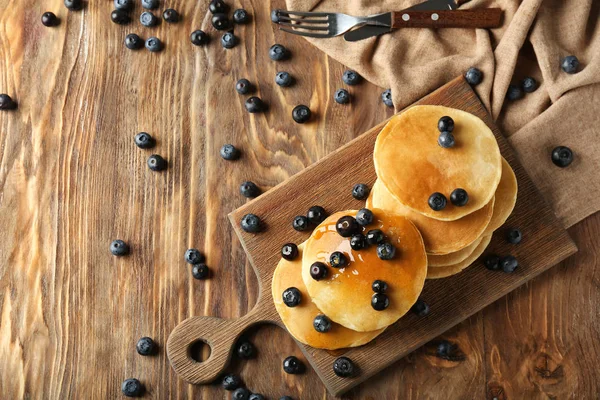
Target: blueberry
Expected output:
[220,22]
[193,256]
[514,236]
[562,156]
[347,226]
[492,262]
[200,271]
[341,96]
[157,163]
[240,394]
[318,271]
[379,301]
[148,19]
[386,251]
[150,4]
[199,38]
[278,52]
[358,242]
[474,76]
[229,152]
[254,105]
[231,382]
[246,350]
[229,40]
[420,308]
[386,97]
[379,286]
[123,4]
[375,236]
[289,251]
[514,93]
[360,191]
[300,223]
[171,16]
[6,102]
[218,7]
[144,141]
[154,44]
[251,223]
[529,85]
[351,77]
[285,398]
[444,349]
[146,346]
[570,64]
[275,16]
[291,297]
[241,16]
[292,365]
[243,86]
[343,367]
[301,114]
[256,396]
[364,216]
[437,201]
[337,259]
[284,79]
[459,197]
[316,215]
[132,388]
[446,140]
[50,19]
[446,124]
[74,5]
[249,189]
[508,264]
[133,42]
[119,248]
[322,324]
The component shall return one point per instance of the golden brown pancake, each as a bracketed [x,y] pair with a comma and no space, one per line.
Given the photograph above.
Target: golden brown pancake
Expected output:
[440,237]
[412,166]
[436,261]
[299,320]
[506,198]
[345,294]
[444,272]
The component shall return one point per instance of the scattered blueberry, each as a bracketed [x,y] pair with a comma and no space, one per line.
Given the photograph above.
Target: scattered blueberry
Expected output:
[74,5]
[322,324]
[386,251]
[193,256]
[508,264]
[199,38]
[379,286]
[240,394]
[275,16]
[132,388]
[148,19]
[360,191]
[343,367]
[514,236]
[200,271]
[249,189]
[256,396]
[446,140]
[229,40]
[318,271]
[570,64]
[459,197]
[446,124]
[50,19]
[218,7]
[119,248]
[351,77]
[437,201]
[347,226]
[379,301]
[255,105]
[301,114]
[474,76]
[154,44]
[251,223]
[283,79]
[289,251]
[562,156]
[291,297]
[144,141]
[6,102]
[375,236]
[316,215]
[341,96]
[420,308]
[243,86]
[133,42]
[358,242]
[241,16]
[529,85]
[492,262]
[231,382]
[146,346]
[364,217]
[514,93]
[220,22]
[171,16]
[123,4]
[337,259]
[157,163]
[150,4]
[292,365]
[246,350]
[444,349]
[300,223]
[229,152]
[278,52]
[386,97]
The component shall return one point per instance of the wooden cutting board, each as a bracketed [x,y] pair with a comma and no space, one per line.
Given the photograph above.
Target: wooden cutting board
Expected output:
[329,183]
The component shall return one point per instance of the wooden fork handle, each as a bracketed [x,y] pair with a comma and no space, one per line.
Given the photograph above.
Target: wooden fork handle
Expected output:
[478,18]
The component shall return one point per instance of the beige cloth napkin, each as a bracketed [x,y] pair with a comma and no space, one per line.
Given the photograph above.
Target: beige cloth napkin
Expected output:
[535,36]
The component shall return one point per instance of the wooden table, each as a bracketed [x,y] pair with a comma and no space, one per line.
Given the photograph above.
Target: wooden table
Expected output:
[72,180]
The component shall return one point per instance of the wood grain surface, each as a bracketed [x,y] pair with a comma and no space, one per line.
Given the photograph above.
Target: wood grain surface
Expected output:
[71,181]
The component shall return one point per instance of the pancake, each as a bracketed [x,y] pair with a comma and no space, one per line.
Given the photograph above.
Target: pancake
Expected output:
[345,294]
[440,237]
[436,261]
[299,320]
[444,272]
[506,198]
[412,166]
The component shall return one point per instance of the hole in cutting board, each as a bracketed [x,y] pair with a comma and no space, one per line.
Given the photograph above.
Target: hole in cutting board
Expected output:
[199,351]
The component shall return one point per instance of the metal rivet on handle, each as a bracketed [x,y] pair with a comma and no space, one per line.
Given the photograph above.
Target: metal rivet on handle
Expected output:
[405,17]
[435,16]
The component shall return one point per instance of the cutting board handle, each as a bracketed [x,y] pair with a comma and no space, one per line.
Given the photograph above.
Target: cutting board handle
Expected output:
[219,334]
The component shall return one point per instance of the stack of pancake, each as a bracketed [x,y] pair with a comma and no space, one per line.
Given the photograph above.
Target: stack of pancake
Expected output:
[431,244]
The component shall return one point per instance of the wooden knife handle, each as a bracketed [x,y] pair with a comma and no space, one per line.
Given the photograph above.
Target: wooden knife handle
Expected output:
[478,18]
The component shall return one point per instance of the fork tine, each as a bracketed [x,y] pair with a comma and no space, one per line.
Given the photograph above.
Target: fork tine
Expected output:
[309,34]
[304,14]
[306,20]
[307,27]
